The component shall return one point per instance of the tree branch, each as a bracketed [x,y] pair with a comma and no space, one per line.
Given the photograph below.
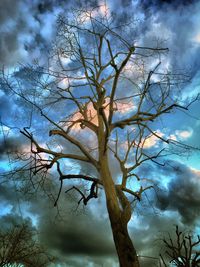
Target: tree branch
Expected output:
[76,143]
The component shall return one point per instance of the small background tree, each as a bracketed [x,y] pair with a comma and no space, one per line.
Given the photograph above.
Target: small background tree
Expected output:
[182,250]
[19,247]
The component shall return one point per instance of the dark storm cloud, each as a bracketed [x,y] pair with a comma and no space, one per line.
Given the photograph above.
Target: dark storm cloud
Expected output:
[79,232]
[27,29]
[11,219]
[8,45]
[148,235]
[71,232]
[175,25]
[12,23]
[75,236]
[182,193]
[161,209]
[79,235]
[10,145]
[46,5]
[8,9]
[7,193]
[10,195]
[11,142]
[156,4]
[20,29]
[177,190]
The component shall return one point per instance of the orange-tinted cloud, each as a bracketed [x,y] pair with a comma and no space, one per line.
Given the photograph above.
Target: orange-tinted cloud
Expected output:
[120,107]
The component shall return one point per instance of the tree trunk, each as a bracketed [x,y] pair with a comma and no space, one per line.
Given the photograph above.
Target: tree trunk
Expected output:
[126,252]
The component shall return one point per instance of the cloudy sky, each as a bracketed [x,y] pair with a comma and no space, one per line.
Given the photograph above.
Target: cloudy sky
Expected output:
[82,237]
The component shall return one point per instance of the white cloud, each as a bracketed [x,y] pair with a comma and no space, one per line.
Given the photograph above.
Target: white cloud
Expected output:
[195,171]
[173,137]
[152,140]
[196,38]
[184,134]
[103,10]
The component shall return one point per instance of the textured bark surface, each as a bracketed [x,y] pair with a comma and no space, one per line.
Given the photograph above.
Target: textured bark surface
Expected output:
[124,246]
[126,252]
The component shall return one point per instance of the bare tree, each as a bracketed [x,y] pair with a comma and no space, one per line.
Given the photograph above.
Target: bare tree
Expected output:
[181,251]
[101,94]
[19,245]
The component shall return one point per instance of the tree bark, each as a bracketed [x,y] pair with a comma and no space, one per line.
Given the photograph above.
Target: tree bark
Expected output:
[126,252]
